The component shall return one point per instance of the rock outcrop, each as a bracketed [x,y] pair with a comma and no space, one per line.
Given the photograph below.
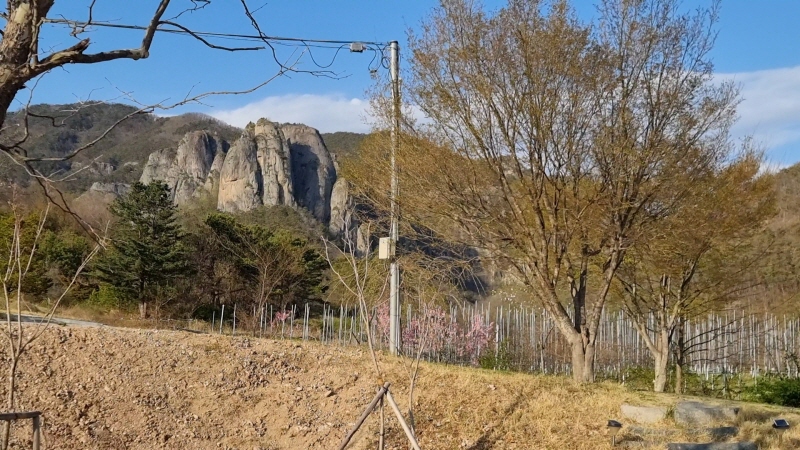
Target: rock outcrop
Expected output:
[100,195]
[269,165]
[193,160]
[103,168]
[644,414]
[115,189]
[190,168]
[697,413]
[342,207]
[158,166]
[313,171]
[240,178]
[275,161]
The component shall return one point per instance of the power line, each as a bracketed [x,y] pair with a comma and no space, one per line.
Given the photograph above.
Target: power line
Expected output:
[378,48]
[251,37]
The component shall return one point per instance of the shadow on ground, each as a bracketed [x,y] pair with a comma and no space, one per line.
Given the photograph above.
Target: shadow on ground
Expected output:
[488,440]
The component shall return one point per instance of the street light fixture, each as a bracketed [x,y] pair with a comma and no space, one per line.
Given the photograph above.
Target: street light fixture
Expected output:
[780,424]
[613,429]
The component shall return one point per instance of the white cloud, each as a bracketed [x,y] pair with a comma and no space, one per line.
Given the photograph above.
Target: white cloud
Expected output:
[327,113]
[770,111]
[770,108]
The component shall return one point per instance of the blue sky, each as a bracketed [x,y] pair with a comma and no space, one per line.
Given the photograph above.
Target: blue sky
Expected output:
[757,47]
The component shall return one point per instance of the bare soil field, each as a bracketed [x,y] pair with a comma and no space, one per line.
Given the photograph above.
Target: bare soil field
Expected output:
[114,388]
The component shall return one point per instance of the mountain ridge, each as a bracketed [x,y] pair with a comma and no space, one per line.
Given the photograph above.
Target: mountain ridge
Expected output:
[119,157]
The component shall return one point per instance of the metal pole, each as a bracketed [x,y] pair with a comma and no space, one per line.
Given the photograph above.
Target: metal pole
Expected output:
[394,282]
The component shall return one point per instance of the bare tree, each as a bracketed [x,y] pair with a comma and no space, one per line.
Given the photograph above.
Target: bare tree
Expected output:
[553,145]
[698,258]
[19,337]
[355,276]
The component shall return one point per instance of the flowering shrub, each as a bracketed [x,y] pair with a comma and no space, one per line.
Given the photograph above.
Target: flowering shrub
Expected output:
[383,322]
[282,316]
[437,333]
[478,337]
[430,329]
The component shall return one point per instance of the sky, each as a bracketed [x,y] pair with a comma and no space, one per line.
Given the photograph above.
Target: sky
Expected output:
[757,47]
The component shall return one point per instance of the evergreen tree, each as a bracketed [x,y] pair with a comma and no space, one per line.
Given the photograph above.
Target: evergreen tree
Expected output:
[147,253]
[273,266]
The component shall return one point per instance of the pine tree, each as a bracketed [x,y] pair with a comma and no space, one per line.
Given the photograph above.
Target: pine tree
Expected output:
[147,251]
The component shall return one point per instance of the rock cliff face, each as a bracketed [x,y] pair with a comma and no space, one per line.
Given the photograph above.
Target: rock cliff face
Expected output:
[240,183]
[269,165]
[158,165]
[342,210]
[189,168]
[116,189]
[313,172]
[275,161]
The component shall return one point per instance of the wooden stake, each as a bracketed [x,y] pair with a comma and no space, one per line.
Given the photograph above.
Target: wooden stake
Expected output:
[402,421]
[383,430]
[221,319]
[36,432]
[381,392]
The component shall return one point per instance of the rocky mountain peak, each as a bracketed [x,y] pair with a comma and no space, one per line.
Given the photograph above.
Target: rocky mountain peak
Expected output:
[270,164]
[186,169]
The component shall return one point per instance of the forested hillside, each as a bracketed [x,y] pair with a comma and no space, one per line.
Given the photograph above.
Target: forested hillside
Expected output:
[57,130]
[777,248]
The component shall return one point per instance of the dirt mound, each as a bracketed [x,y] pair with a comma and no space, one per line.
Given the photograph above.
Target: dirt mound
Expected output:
[109,388]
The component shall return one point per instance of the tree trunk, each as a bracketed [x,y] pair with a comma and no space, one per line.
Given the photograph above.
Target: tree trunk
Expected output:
[661,359]
[143,313]
[582,343]
[578,360]
[582,361]
[588,363]
[680,356]
[661,364]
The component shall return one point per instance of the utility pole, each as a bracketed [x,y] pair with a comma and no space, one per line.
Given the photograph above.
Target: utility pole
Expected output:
[394,281]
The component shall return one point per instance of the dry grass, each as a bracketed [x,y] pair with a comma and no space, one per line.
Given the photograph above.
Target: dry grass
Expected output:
[474,409]
[479,409]
[213,378]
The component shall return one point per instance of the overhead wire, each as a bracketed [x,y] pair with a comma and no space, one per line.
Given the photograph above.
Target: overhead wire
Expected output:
[275,39]
[378,48]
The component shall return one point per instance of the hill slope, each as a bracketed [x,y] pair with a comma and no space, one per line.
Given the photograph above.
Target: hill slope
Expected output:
[119,156]
[112,388]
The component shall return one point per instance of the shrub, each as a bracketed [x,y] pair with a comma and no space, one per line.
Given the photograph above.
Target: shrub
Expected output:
[639,378]
[500,360]
[777,391]
[107,296]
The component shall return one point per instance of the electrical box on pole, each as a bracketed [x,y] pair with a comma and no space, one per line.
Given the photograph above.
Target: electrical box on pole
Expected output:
[357,47]
[385,248]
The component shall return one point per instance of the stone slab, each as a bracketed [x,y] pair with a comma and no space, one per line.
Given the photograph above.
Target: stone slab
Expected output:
[714,446]
[643,414]
[697,413]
